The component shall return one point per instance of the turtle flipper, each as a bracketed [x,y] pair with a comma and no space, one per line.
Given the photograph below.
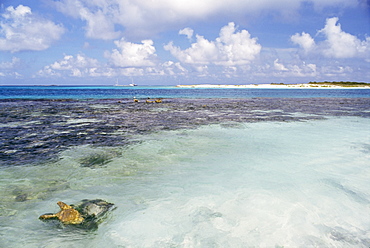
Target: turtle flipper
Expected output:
[48,216]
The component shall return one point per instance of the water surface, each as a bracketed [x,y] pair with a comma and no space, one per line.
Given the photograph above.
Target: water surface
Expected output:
[106,92]
[264,184]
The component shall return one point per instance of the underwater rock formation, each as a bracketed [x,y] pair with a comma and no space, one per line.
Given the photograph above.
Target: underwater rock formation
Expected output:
[66,123]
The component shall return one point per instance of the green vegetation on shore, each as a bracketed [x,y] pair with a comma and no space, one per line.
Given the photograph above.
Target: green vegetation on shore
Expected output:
[341,83]
[328,84]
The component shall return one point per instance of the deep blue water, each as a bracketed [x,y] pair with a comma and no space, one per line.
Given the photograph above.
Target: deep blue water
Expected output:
[104,92]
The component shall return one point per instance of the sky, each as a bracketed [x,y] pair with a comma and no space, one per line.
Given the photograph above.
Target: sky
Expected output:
[170,42]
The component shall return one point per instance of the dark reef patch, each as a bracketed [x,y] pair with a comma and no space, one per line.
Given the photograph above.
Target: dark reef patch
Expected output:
[35,129]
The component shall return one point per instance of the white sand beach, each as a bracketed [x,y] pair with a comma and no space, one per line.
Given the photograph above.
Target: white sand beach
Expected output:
[271,86]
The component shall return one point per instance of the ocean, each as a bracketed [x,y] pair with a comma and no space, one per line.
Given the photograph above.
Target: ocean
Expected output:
[114,92]
[204,168]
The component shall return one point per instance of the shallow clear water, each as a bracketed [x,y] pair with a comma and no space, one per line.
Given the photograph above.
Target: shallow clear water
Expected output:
[267,184]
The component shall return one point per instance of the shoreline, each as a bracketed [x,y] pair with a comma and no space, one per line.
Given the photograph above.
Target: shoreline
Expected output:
[270,86]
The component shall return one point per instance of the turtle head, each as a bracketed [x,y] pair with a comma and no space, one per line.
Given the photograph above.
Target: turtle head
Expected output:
[62,205]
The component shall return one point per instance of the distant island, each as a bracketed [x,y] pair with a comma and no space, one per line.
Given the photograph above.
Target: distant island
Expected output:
[324,84]
[341,84]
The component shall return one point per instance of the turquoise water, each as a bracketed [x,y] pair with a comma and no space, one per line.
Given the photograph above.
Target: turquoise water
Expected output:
[104,92]
[265,184]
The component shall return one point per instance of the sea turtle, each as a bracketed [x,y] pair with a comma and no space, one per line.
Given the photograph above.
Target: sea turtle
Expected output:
[66,215]
[87,213]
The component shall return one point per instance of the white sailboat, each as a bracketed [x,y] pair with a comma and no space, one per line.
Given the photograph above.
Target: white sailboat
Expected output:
[131,84]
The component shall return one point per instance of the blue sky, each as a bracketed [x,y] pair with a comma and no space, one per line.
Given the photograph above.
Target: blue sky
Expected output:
[169,42]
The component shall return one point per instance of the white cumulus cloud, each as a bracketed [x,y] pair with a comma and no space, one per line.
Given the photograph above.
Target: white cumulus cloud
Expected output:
[8,68]
[337,43]
[21,30]
[131,54]
[279,66]
[100,16]
[75,66]
[173,68]
[188,32]
[232,47]
[144,18]
[304,40]
[10,65]
[81,65]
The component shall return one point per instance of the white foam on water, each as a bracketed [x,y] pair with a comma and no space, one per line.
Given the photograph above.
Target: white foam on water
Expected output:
[266,184]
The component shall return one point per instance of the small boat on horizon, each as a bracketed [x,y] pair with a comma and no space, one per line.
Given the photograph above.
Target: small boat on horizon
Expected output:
[129,85]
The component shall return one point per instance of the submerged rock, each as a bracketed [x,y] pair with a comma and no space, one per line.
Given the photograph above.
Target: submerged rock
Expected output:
[85,214]
[96,160]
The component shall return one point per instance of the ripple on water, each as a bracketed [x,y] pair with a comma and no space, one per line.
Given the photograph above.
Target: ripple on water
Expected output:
[251,184]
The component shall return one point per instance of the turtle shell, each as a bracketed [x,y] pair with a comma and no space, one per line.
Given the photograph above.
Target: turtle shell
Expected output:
[93,208]
[94,211]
